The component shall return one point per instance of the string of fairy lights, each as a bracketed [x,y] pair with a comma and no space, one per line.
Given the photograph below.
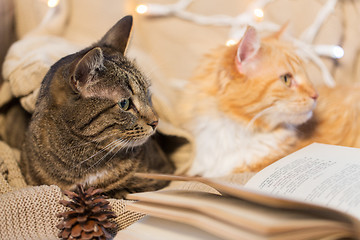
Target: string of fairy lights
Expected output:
[52,3]
[249,17]
[253,15]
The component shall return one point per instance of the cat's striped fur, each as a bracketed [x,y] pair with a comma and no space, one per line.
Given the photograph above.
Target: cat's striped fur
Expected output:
[94,123]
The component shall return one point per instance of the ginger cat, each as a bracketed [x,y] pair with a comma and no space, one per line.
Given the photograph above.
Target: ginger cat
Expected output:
[250,104]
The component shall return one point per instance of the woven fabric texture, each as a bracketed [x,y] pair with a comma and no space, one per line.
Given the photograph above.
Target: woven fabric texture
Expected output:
[29,212]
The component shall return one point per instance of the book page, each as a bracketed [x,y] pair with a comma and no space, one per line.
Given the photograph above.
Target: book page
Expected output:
[245,215]
[153,228]
[323,174]
[246,196]
[193,218]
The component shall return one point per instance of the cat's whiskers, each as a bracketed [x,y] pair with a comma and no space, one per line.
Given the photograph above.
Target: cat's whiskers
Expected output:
[132,147]
[96,140]
[110,145]
[127,147]
[116,143]
[111,151]
[257,116]
[89,158]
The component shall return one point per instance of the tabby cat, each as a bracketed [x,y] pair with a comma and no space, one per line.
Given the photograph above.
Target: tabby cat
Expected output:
[94,123]
[250,104]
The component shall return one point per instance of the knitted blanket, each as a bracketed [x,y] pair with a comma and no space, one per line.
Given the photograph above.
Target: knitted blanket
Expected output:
[29,212]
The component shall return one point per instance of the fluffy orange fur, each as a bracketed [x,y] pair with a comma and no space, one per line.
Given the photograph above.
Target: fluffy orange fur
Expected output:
[265,90]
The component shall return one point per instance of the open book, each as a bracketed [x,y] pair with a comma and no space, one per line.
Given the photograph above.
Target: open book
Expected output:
[313,193]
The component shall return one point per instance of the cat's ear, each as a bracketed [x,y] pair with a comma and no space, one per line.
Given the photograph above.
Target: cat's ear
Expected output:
[118,36]
[248,47]
[86,68]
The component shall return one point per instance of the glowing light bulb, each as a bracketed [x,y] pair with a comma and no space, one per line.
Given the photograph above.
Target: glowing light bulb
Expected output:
[230,42]
[52,3]
[259,14]
[142,9]
[338,52]
[329,51]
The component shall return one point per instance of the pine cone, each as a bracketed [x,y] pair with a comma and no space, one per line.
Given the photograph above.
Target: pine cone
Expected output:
[88,217]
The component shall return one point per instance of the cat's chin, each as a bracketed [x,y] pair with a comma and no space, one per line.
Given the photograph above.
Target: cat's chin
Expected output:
[293,119]
[137,142]
[300,118]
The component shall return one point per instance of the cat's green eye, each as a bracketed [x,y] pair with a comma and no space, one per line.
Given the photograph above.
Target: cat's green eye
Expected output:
[287,79]
[124,104]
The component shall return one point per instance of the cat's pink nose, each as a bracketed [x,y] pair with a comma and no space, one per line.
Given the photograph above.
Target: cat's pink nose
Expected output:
[315,95]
